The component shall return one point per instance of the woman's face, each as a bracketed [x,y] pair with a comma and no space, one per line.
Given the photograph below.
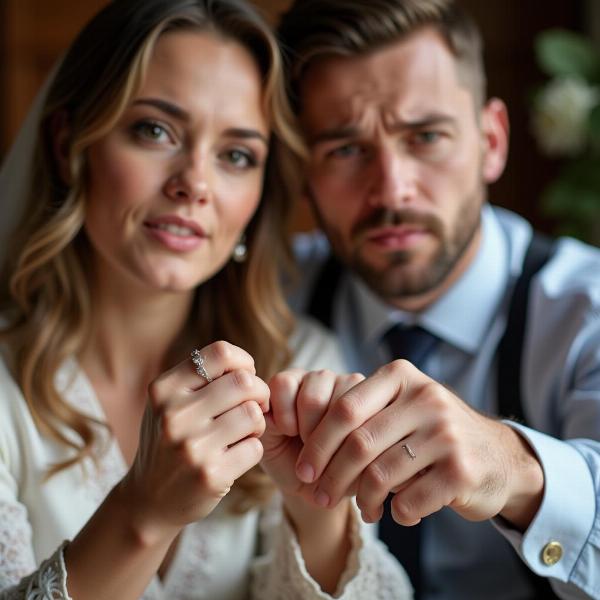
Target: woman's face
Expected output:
[173,185]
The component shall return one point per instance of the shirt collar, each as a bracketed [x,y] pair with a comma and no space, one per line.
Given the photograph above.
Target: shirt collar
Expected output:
[464,313]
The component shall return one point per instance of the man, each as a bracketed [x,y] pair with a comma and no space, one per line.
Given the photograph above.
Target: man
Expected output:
[390,95]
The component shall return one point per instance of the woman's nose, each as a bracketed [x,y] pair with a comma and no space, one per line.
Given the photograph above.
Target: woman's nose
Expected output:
[189,183]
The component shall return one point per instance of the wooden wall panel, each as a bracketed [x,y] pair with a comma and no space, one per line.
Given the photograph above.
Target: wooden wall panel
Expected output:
[33,33]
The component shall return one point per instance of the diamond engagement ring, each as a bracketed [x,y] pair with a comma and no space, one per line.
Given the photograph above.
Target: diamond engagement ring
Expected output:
[198,361]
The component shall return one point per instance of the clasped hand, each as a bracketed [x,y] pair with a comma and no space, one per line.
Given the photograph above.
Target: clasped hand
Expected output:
[321,437]
[400,431]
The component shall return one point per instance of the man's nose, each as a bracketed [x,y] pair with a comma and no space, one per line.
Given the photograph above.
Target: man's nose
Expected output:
[190,180]
[393,179]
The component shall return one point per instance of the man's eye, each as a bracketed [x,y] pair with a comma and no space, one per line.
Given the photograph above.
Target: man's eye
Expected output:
[427,137]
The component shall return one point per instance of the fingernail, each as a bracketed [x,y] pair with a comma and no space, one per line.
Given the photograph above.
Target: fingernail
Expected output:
[305,472]
[322,499]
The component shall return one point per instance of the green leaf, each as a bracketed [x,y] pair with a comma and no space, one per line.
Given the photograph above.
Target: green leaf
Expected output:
[561,52]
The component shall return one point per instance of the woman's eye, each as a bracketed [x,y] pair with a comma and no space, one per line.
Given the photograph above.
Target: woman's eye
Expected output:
[150,130]
[240,158]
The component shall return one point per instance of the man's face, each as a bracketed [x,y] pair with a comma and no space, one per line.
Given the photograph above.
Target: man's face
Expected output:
[397,165]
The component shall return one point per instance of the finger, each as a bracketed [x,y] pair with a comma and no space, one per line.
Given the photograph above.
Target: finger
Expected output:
[242,456]
[393,471]
[219,358]
[350,411]
[181,420]
[424,496]
[284,388]
[245,420]
[314,397]
[365,449]
[216,477]
[345,382]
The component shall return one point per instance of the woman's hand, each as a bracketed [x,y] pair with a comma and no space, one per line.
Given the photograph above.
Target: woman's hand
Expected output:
[299,399]
[196,439]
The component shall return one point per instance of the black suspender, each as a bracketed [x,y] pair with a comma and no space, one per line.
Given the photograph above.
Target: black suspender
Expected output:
[510,354]
[510,348]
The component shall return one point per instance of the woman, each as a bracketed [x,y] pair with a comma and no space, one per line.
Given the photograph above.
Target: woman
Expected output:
[147,178]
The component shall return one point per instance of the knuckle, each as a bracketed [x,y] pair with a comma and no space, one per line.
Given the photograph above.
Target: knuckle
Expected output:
[317,452]
[208,478]
[255,450]
[346,409]
[254,413]
[355,378]
[325,374]
[396,368]
[169,425]
[460,470]
[310,401]
[222,350]
[360,443]
[376,477]
[330,483]
[448,436]
[402,511]
[157,393]
[284,381]
[242,379]
[187,452]
[432,399]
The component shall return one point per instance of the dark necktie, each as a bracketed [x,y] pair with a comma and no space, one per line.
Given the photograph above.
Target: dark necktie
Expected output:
[414,344]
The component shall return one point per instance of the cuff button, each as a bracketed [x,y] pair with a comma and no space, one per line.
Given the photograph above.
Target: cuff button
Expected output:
[552,553]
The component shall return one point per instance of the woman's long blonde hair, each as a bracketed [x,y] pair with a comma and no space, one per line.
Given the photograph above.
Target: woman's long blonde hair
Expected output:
[46,287]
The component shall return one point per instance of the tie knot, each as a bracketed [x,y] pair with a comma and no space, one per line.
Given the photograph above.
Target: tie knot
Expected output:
[412,343]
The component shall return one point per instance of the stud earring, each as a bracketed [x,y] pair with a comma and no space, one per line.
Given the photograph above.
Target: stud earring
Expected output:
[240,250]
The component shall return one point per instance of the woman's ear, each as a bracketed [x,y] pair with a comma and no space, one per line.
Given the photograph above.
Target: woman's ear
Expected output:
[495,129]
[60,134]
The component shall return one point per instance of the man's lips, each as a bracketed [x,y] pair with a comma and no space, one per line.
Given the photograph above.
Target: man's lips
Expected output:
[396,237]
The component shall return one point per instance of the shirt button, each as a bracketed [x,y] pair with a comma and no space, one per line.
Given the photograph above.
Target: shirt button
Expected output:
[552,553]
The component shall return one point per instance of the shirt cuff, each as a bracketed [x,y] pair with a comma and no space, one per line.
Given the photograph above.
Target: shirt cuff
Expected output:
[566,514]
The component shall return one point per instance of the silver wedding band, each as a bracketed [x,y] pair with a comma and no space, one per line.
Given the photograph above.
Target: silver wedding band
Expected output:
[409,451]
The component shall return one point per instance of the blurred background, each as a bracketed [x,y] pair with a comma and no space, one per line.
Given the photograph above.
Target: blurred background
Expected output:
[33,33]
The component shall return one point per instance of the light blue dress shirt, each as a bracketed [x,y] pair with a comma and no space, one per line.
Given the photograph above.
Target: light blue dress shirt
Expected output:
[561,396]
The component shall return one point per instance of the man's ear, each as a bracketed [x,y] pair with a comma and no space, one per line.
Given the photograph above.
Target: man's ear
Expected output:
[60,134]
[495,130]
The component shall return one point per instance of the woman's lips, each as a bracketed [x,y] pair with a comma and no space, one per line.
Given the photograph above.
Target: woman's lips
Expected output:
[175,233]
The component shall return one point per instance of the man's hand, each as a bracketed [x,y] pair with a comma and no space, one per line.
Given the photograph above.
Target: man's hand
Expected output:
[401,431]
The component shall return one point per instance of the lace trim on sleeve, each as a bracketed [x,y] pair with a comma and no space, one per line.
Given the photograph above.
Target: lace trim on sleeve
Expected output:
[16,553]
[49,582]
[371,571]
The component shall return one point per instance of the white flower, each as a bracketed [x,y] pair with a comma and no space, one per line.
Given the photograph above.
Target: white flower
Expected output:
[560,115]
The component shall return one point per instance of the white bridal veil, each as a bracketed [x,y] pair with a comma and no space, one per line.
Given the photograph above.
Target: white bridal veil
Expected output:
[16,169]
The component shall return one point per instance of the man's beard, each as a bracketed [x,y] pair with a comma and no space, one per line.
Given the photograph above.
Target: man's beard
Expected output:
[398,278]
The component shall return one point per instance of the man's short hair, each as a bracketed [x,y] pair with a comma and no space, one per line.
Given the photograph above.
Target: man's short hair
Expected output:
[314,29]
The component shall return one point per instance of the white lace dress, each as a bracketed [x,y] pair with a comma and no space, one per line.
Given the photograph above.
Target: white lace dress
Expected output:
[223,557]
